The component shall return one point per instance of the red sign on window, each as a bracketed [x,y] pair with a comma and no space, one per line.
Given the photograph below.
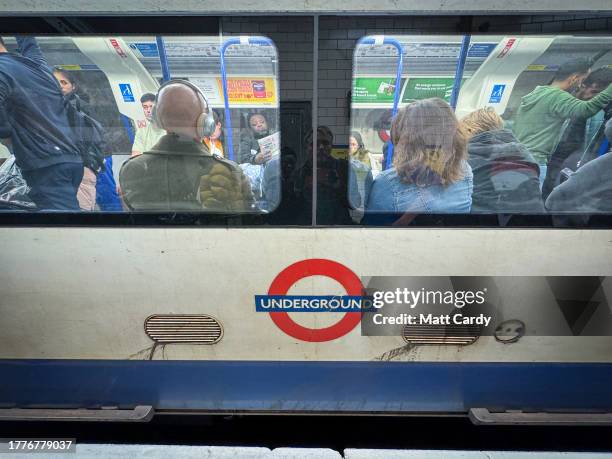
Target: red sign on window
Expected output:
[117,47]
[506,49]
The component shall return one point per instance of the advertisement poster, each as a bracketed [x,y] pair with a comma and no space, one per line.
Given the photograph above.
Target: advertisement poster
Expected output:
[210,89]
[250,91]
[424,88]
[241,90]
[374,90]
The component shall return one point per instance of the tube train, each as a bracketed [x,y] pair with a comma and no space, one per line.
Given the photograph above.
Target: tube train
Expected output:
[122,315]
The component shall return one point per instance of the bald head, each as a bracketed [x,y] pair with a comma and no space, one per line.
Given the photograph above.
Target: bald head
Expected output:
[178,108]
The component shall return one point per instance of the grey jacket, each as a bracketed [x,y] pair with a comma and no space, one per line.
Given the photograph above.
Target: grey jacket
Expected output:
[589,190]
[505,174]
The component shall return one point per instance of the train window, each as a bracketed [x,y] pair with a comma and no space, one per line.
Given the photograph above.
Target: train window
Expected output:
[480,125]
[161,124]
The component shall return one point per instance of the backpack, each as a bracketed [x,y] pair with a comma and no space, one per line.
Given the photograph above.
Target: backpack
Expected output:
[89,136]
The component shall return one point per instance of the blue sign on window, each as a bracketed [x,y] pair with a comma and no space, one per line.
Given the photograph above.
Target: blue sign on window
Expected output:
[481,49]
[126,92]
[497,93]
[146,49]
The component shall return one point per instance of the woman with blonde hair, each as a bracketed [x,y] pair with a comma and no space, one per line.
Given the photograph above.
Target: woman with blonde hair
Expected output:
[505,173]
[430,172]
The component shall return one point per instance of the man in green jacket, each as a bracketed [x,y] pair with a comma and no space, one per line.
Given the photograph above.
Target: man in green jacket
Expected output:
[543,111]
[179,173]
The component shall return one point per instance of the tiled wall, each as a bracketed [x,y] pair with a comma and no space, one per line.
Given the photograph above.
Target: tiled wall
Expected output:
[337,38]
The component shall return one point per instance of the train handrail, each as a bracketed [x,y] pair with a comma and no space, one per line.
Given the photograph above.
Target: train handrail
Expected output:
[465,46]
[163,58]
[242,40]
[382,40]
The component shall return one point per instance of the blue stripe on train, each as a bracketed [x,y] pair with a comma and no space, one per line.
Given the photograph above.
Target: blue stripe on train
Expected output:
[305,386]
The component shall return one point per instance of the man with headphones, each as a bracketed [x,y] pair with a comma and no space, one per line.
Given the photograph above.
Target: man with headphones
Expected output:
[179,172]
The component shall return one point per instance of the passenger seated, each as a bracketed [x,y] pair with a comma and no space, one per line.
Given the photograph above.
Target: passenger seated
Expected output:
[179,172]
[430,173]
[214,142]
[505,173]
[359,152]
[578,131]
[150,134]
[249,150]
[589,190]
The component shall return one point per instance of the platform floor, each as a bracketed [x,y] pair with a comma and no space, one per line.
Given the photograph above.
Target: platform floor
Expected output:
[97,451]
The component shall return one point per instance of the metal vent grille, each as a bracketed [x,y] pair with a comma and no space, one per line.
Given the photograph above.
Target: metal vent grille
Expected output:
[461,335]
[183,328]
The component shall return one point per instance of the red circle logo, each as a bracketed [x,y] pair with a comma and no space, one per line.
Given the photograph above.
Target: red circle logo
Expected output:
[316,267]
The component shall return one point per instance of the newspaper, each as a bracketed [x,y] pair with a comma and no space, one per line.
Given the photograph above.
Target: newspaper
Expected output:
[270,145]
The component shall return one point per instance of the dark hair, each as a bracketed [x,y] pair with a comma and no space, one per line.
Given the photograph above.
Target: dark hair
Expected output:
[252,114]
[147,97]
[357,136]
[216,117]
[600,77]
[2,42]
[575,66]
[67,74]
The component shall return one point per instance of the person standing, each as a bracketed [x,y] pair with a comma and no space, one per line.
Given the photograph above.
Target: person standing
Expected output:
[577,133]
[42,139]
[543,111]
[86,195]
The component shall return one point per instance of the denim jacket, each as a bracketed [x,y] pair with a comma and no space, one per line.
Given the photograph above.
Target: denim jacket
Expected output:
[391,195]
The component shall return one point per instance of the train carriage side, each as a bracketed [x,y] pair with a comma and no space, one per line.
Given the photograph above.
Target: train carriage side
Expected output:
[256,312]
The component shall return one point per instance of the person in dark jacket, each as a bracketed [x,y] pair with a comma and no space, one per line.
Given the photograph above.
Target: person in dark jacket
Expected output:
[505,173]
[70,89]
[86,195]
[589,190]
[41,136]
[98,185]
[179,172]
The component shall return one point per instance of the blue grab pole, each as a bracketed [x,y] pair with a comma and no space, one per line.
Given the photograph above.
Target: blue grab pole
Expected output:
[128,127]
[603,148]
[465,46]
[226,44]
[163,58]
[398,79]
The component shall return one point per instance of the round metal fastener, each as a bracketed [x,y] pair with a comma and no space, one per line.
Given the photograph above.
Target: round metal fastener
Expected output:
[510,331]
